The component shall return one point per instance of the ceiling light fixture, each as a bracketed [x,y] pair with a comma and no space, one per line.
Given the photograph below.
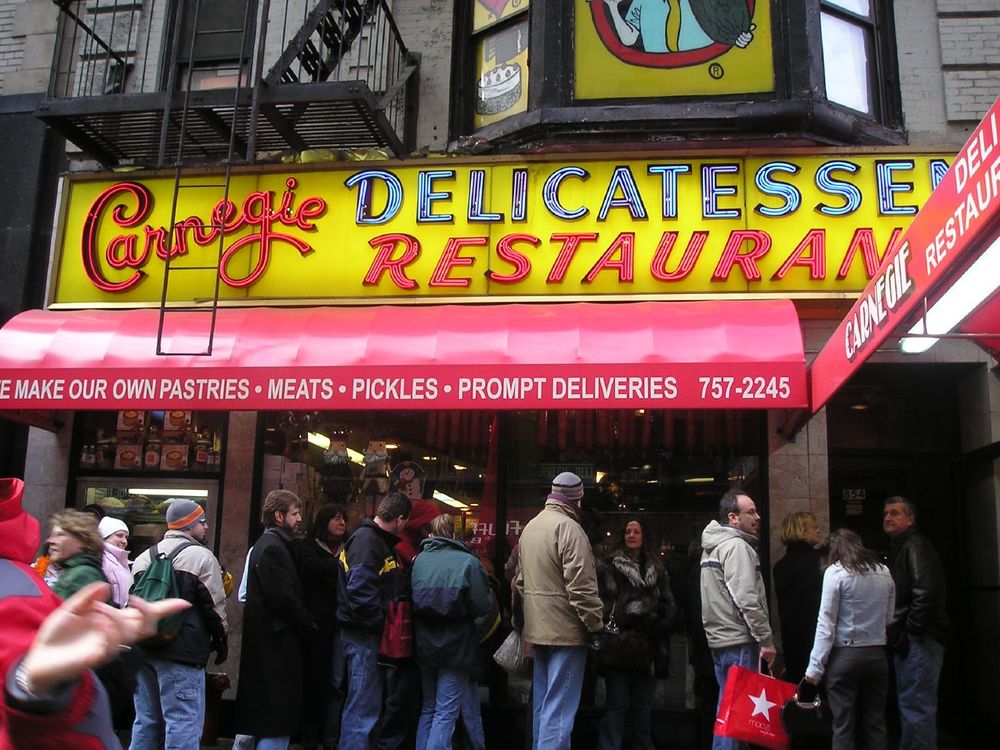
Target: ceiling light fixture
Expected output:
[449,500]
[970,290]
[318,439]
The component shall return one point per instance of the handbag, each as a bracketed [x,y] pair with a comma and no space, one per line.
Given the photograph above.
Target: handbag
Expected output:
[749,709]
[806,719]
[512,655]
[397,632]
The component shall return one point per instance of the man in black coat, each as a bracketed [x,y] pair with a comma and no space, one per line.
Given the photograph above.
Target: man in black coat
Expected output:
[276,626]
[919,625]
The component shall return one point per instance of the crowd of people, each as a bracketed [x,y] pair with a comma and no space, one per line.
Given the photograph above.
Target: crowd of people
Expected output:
[375,639]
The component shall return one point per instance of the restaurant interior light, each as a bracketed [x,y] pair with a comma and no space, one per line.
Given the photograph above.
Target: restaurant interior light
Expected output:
[599,476]
[356,457]
[160,492]
[392,446]
[319,439]
[699,480]
[970,290]
[460,467]
[449,500]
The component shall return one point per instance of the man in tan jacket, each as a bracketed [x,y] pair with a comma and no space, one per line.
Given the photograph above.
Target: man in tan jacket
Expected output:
[558,588]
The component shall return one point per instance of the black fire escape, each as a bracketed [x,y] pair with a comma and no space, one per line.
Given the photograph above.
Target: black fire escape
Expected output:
[157,82]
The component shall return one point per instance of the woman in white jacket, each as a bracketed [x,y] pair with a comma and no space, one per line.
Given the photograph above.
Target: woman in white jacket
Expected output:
[114,563]
[856,606]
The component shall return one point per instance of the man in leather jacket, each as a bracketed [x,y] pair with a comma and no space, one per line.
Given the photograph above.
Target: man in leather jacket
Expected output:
[919,625]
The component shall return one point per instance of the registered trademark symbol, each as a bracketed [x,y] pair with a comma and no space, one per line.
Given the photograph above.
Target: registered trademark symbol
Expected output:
[715,70]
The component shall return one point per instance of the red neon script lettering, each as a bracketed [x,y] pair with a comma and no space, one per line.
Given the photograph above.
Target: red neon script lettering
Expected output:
[257,212]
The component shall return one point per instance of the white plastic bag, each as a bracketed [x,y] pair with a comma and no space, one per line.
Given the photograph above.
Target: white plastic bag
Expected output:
[512,655]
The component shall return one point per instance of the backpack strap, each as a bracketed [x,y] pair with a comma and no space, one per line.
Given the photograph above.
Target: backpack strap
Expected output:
[179,548]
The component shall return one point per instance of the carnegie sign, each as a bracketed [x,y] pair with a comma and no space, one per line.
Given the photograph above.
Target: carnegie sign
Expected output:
[948,232]
[788,224]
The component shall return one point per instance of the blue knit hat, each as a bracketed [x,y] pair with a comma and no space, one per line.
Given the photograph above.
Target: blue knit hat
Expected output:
[569,485]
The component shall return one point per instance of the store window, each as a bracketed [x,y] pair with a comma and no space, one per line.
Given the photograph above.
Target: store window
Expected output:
[493,471]
[134,463]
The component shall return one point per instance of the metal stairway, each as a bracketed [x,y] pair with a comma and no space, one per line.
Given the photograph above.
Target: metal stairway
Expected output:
[325,37]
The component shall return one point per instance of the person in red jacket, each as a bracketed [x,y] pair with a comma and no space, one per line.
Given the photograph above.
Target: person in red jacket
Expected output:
[51,699]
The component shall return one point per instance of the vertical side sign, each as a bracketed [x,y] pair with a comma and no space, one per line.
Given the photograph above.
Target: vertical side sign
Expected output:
[949,229]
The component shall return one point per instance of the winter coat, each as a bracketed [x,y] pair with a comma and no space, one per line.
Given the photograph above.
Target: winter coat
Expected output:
[78,716]
[798,585]
[557,584]
[643,608]
[920,589]
[733,599]
[319,584]
[371,574]
[77,572]
[276,626]
[453,605]
[114,565]
[199,578]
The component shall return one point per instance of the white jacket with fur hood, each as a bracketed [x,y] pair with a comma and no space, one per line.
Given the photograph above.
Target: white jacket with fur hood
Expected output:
[733,600]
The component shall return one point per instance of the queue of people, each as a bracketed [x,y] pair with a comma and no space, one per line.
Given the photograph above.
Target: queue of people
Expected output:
[349,644]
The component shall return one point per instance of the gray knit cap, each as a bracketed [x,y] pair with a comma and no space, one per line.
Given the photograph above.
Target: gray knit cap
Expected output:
[569,485]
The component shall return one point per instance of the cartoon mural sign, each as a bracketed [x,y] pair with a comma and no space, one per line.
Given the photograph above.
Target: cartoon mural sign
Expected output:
[485,13]
[647,48]
[502,73]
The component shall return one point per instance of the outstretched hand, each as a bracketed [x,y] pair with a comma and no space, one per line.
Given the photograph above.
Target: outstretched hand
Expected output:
[85,632]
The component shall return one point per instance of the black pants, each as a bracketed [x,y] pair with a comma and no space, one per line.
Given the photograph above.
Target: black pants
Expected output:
[857,680]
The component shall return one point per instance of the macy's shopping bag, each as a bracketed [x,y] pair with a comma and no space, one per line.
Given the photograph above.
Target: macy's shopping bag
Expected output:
[750,709]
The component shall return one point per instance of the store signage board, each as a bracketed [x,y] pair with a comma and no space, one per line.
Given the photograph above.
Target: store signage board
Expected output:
[628,386]
[947,231]
[768,224]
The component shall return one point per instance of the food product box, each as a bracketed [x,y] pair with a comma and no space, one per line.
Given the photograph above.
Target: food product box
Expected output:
[176,422]
[128,456]
[174,457]
[131,421]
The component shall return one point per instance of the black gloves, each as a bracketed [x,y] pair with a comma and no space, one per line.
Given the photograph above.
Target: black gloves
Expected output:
[599,640]
[806,691]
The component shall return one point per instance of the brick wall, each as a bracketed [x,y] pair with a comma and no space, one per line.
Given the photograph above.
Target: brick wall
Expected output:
[426,27]
[969,34]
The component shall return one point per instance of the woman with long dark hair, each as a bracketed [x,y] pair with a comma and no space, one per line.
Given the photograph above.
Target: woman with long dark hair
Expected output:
[322,699]
[856,606]
[635,590]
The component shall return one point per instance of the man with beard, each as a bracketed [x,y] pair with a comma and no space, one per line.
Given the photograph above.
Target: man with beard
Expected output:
[276,627]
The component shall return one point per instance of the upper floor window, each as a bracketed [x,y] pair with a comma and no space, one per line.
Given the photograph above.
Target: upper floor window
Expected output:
[849,53]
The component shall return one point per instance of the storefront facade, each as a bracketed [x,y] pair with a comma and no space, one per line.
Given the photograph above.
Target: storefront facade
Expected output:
[641,315]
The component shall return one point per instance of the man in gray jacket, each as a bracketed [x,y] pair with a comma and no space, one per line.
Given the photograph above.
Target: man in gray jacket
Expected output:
[558,588]
[733,600]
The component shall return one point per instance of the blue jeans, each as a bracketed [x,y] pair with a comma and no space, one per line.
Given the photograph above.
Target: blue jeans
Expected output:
[443,691]
[628,693]
[272,743]
[556,683]
[169,706]
[742,655]
[917,687]
[472,717]
[364,683]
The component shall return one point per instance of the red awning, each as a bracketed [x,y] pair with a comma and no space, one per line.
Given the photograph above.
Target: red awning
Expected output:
[984,324]
[733,354]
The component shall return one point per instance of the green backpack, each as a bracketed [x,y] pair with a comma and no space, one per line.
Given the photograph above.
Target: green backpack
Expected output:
[158,582]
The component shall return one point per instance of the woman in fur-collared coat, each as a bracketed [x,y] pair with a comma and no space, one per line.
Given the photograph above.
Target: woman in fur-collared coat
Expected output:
[635,591]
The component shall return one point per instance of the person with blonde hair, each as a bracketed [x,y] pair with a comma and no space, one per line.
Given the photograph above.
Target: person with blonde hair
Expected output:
[798,581]
[454,610]
[76,547]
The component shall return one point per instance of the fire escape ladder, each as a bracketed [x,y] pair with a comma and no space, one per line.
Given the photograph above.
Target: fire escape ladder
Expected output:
[174,337]
[325,37]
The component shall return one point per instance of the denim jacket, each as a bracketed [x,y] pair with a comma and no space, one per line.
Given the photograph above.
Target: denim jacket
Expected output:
[854,612]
